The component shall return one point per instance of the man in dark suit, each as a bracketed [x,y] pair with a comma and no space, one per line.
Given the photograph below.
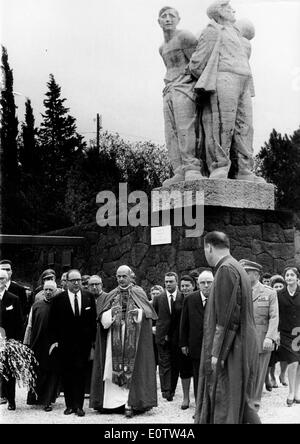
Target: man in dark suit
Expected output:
[72,331]
[15,288]
[191,325]
[11,323]
[168,307]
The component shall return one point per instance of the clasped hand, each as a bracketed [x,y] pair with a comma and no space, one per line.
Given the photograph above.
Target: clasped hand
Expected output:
[268,345]
[214,362]
[115,310]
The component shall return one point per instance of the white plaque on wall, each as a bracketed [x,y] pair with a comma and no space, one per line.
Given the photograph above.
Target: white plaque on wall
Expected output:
[161,235]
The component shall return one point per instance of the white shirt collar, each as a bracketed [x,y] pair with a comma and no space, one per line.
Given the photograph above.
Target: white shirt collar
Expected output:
[174,293]
[204,299]
[73,294]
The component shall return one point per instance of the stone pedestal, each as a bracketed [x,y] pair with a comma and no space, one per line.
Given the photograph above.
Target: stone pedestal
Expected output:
[224,193]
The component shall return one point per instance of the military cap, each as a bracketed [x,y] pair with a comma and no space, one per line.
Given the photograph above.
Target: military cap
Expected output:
[250,265]
[48,273]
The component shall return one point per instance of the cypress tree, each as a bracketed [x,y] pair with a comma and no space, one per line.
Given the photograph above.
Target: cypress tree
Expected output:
[9,149]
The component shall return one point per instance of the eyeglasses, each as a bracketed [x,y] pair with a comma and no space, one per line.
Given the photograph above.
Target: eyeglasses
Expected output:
[74,280]
[205,282]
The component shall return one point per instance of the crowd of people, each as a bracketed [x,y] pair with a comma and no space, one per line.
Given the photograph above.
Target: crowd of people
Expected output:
[224,329]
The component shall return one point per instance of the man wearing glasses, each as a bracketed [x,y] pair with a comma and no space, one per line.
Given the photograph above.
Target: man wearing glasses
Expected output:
[72,332]
[95,287]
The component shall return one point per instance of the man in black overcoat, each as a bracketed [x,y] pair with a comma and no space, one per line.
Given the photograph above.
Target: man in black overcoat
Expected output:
[15,288]
[191,325]
[168,306]
[11,324]
[72,326]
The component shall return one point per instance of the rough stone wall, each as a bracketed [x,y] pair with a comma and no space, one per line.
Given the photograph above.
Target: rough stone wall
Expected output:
[267,237]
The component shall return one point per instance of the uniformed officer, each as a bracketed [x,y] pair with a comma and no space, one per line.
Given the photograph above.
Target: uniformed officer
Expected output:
[266,314]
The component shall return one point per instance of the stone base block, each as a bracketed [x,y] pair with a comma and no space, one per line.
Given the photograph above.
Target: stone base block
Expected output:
[215,192]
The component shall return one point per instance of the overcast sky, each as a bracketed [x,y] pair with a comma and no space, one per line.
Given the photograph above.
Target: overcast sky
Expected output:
[104,55]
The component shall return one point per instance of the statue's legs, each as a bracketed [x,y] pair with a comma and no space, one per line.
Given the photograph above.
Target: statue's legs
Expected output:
[219,117]
[180,134]
[242,142]
[227,122]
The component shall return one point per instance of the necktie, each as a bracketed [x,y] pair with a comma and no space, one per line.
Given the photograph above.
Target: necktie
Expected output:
[204,302]
[172,302]
[76,306]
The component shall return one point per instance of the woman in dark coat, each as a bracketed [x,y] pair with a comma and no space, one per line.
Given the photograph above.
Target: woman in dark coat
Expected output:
[289,323]
[278,283]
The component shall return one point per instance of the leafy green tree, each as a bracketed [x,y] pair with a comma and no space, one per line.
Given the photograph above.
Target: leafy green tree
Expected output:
[279,163]
[9,149]
[143,166]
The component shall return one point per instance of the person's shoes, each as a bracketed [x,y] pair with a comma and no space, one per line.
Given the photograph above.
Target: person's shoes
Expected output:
[141,411]
[68,411]
[282,380]
[269,387]
[11,406]
[3,401]
[175,179]
[128,412]
[169,397]
[164,394]
[297,401]
[290,402]
[185,405]
[219,173]
[274,383]
[193,175]
[250,177]
[80,412]
[48,408]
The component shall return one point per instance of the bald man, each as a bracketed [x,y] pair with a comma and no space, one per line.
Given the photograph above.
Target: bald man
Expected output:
[124,371]
[11,325]
[191,325]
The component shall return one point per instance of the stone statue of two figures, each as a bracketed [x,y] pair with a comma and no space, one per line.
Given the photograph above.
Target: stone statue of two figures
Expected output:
[207,97]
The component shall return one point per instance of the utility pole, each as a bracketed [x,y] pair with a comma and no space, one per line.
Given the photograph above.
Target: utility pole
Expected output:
[99,127]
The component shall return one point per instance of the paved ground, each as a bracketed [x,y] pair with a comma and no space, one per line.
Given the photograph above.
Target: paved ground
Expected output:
[273,411]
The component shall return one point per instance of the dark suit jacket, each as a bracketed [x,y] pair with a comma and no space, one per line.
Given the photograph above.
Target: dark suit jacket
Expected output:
[11,316]
[74,336]
[191,325]
[167,325]
[20,291]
